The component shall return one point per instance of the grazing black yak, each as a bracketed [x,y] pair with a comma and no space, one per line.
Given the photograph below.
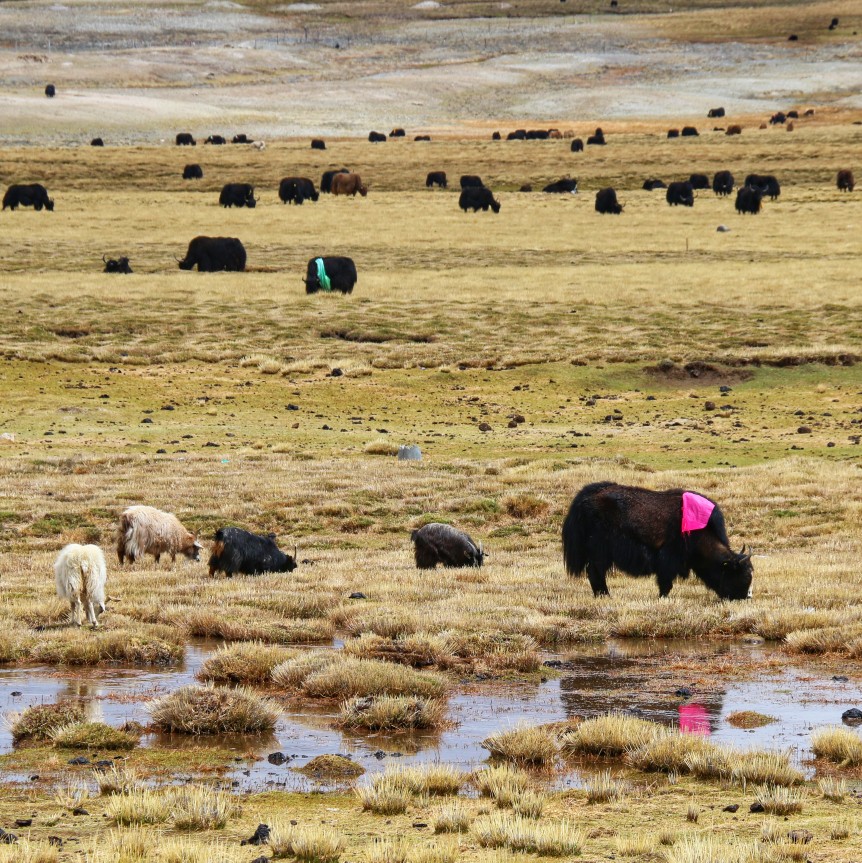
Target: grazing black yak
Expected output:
[441,543]
[606,202]
[722,183]
[214,255]
[478,199]
[116,265]
[33,195]
[326,179]
[680,193]
[237,550]
[748,200]
[330,273]
[845,181]
[436,178]
[644,532]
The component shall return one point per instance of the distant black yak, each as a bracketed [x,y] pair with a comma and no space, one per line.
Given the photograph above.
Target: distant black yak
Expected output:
[214,255]
[33,195]
[116,265]
[653,183]
[185,139]
[441,543]
[680,193]
[326,179]
[330,273]
[699,181]
[193,172]
[644,532]
[436,178]
[237,550]
[748,200]
[476,199]
[722,183]
[607,203]
[845,181]
[765,183]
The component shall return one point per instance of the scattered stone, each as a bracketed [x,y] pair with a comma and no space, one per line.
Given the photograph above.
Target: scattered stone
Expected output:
[803,430]
[683,692]
[853,716]
[161,451]
[79,760]
[211,443]
[756,807]
[7,838]
[553,663]
[259,837]
[419,824]
[23,822]
[519,418]
[336,373]
[409,452]
[7,437]
[512,424]
[725,389]
[709,406]
[16,693]
[260,859]
[105,762]
[357,595]
[734,807]
[147,420]
[800,837]
[292,407]
[277,758]
[484,427]
[722,229]
[838,678]
[167,407]
[380,755]
[79,810]
[56,841]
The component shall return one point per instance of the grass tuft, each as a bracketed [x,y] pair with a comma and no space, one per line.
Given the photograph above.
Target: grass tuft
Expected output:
[833,788]
[39,721]
[840,745]
[117,779]
[778,800]
[452,817]
[391,713]
[214,710]
[525,744]
[386,795]
[336,766]
[93,735]
[243,662]
[610,735]
[27,850]
[604,788]
[349,678]
[547,839]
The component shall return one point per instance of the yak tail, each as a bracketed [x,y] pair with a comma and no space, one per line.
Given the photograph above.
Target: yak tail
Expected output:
[574,540]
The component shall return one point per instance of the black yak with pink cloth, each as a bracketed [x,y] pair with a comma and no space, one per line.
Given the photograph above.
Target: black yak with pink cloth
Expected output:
[644,532]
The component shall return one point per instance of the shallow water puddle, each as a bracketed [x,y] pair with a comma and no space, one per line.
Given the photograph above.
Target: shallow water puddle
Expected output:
[642,677]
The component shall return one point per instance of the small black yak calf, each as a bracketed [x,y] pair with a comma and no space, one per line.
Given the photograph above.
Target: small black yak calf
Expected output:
[441,543]
[237,550]
[641,532]
[118,265]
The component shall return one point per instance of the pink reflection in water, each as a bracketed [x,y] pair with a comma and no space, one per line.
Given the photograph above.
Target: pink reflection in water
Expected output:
[693,719]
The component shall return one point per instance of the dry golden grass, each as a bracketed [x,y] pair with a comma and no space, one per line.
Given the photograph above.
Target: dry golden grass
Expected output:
[241,662]
[452,817]
[837,744]
[214,710]
[609,735]
[361,678]
[308,844]
[604,788]
[778,800]
[92,735]
[29,851]
[524,744]
[833,788]
[39,721]
[391,713]
[552,839]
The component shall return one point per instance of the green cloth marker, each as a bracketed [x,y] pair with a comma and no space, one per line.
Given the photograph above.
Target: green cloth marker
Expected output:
[322,278]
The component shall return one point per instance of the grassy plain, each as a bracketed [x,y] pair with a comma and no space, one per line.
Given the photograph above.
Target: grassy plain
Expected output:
[213,396]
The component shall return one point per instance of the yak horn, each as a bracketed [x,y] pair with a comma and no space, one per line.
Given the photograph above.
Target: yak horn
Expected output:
[104,259]
[295,552]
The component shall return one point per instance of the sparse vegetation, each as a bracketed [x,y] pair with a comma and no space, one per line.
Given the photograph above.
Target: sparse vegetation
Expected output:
[392,713]
[39,721]
[241,662]
[524,744]
[93,735]
[837,744]
[609,735]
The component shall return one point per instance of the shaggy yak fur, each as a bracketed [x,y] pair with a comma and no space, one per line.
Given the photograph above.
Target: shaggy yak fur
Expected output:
[237,550]
[441,543]
[639,531]
[80,575]
[147,530]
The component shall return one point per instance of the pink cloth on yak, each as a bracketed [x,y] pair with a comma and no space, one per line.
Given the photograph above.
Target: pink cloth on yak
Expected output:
[696,511]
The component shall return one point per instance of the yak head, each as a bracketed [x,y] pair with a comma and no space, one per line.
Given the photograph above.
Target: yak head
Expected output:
[193,551]
[729,574]
[495,206]
[49,204]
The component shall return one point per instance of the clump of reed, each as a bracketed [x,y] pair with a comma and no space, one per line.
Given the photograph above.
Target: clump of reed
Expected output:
[391,713]
[832,788]
[71,794]
[193,807]
[249,662]
[117,779]
[503,783]
[359,678]
[93,735]
[546,839]
[840,745]
[635,845]
[749,719]
[292,673]
[27,850]
[386,795]
[336,766]
[39,721]
[308,844]
[778,800]
[418,650]
[610,735]
[214,710]
[139,806]
[604,788]
[668,752]
[525,744]
[390,792]
[452,817]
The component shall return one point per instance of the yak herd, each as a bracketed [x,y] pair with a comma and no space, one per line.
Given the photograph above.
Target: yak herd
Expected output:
[638,531]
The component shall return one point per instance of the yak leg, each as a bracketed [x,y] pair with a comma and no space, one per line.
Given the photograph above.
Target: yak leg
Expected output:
[597,573]
[665,582]
[76,611]
[91,614]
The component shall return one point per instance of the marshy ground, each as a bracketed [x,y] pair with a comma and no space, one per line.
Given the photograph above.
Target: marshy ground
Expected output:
[526,353]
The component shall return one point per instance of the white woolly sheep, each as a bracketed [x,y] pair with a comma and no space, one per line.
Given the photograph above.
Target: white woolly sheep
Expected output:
[80,575]
[147,530]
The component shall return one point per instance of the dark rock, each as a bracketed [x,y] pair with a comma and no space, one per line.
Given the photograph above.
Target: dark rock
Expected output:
[803,430]
[683,692]
[853,716]
[56,841]
[709,406]
[512,424]
[260,859]
[419,824]
[79,810]
[756,807]
[147,420]
[79,760]
[105,762]
[277,758]
[23,822]
[553,663]
[167,407]
[161,451]
[519,418]
[484,427]
[259,837]
[16,693]
[7,838]
[380,755]
[336,373]
[292,407]
[800,837]
[357,595]
[840,678]
[732,808]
